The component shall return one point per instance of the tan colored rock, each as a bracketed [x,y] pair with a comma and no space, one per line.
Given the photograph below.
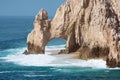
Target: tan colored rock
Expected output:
[90,27]
[39,36]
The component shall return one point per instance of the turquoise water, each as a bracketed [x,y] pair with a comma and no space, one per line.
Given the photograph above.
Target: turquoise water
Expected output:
[16,66]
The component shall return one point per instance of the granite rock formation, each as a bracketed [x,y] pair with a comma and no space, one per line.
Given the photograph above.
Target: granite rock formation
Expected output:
[90,27]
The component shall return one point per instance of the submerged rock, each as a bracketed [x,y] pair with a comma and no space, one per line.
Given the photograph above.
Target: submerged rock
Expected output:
[91,27]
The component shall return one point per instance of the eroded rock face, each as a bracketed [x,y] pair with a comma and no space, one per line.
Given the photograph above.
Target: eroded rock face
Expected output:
[40,35]
[91,27]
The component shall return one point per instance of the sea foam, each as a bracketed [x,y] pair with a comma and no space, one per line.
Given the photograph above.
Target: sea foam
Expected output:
[51,60]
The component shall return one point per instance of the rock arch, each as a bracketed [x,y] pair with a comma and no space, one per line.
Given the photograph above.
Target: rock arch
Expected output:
[91,27]
[43,32]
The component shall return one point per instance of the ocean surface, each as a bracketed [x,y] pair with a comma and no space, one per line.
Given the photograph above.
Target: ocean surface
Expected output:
[16,66]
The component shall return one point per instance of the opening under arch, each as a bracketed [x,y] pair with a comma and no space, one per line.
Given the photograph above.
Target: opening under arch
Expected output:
[55,45]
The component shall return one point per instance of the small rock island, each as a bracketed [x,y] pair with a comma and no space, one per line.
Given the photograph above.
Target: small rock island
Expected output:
[90,27]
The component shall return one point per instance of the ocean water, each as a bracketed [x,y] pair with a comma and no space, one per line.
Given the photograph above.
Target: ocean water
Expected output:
[16,66]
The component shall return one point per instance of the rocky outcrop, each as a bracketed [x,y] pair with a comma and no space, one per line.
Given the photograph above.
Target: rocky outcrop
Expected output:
[40,35]
[91,27]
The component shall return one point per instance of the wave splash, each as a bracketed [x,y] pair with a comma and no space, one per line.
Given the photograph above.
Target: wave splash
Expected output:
[51,60]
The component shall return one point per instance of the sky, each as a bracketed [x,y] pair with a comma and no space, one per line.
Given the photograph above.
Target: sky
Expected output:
[28,7]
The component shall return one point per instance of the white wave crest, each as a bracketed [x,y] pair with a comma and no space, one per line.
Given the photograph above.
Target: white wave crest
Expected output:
[53,60]
[18,58]
[29,60]
[26,75]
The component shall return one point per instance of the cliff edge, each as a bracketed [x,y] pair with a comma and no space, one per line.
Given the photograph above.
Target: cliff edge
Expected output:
[90,27]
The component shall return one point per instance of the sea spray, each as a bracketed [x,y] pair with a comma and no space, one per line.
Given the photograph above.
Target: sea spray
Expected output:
[53,60]
[30,60]
[49,59]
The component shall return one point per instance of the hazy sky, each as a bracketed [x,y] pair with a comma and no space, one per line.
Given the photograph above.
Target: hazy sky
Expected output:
[28,7]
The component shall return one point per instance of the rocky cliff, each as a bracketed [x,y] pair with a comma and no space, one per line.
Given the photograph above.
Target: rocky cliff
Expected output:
[91,27]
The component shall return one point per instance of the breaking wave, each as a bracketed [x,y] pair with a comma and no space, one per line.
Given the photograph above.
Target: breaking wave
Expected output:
[15,56]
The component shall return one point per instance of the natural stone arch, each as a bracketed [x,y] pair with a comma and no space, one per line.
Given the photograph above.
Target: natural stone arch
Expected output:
[44,30]
[87,25]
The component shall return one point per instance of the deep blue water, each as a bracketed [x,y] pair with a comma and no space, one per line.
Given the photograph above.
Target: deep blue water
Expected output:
[13,34]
